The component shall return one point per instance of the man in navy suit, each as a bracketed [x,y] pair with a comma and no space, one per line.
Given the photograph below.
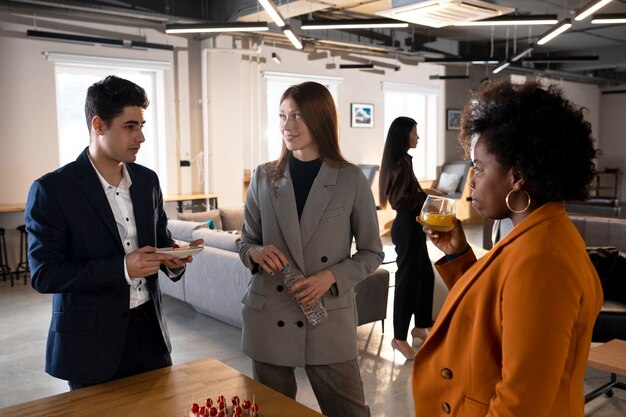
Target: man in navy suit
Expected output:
[94,226]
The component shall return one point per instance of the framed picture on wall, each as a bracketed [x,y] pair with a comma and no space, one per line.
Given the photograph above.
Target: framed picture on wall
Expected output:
[361,115]
[453,119]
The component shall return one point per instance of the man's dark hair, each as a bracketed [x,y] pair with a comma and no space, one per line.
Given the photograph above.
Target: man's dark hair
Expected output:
[107,98]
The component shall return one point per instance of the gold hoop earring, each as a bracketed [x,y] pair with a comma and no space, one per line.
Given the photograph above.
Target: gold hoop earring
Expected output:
[509,205]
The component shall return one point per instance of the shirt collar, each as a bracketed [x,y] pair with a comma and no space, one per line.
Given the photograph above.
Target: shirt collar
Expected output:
[124,184]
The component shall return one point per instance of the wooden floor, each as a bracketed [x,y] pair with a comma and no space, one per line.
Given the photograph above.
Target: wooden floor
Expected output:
[25,316]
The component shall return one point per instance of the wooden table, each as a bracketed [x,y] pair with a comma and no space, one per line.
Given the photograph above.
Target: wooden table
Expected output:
[12,208]
[181,198]
[167,392]
[610,357]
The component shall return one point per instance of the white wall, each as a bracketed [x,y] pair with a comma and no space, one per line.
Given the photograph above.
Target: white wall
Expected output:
[28,142]
[236,99]
[233,99]
[28,104]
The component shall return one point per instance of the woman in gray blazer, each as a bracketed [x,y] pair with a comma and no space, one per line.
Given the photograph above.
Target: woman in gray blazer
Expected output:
[304,210]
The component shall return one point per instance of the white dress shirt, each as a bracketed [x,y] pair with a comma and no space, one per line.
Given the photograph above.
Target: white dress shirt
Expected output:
[122,208]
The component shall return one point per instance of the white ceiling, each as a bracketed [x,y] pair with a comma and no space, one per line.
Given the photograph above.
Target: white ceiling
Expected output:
[412,45]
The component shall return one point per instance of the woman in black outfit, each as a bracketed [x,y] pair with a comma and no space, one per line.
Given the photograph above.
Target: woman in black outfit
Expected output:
[415,280]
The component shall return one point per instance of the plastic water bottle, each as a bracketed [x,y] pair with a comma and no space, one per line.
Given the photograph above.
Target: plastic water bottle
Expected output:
[314,313]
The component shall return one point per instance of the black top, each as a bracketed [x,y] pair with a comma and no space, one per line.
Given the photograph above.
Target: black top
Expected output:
[302,175]
[403,190]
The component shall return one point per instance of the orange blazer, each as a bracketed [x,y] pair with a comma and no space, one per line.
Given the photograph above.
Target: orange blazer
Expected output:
[513,336]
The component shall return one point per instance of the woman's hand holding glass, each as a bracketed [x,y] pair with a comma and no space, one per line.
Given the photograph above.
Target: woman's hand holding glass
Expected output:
[438,213]
[441,225]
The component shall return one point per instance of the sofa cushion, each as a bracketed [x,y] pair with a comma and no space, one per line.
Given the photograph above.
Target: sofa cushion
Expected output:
[221,240]
[203,216]
[182,230]
[448,182]
[232,218]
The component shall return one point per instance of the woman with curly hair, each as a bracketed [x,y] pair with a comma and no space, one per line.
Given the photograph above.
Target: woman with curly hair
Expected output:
[514,334]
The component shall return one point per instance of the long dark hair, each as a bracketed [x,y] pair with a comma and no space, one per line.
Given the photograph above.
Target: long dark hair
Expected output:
[396,146]
[320,116]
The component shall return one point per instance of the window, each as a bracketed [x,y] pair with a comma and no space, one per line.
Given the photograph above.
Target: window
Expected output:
[419,103]
[277,83]
[73,78]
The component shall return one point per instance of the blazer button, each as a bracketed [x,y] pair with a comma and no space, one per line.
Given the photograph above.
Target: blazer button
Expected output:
[324,259]
[445,407]
[280,323]
[124,315]
[299,323]
[446,373]
[279,288]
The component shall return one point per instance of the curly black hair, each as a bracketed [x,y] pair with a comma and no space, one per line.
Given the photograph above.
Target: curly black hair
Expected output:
[536,131]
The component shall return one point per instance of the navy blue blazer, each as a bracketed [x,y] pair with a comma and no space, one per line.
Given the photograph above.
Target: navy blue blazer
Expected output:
[75,252]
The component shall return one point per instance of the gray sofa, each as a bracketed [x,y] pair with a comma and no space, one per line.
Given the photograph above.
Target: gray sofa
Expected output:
[605,238]
[215,282]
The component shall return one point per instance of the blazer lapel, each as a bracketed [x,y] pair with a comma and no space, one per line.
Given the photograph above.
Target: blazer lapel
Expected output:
[473,273]
[321,192]
[90,186]
[284,201]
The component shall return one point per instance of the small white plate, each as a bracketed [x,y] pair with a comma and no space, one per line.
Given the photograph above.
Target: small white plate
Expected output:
[180,252]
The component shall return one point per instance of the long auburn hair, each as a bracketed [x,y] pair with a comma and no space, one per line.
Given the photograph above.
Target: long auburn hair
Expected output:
[396,146]
[320,116]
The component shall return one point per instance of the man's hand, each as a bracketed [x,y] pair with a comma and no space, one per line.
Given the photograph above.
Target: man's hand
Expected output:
[177,263]
[311,289]
[269,258]
[145,262]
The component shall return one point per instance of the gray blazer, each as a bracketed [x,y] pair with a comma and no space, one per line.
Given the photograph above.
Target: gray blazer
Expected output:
[340,206]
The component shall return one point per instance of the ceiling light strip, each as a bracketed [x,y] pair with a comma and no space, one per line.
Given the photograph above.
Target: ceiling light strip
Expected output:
[599,19]
[150,45]
[523,53]
[356,66]
[555,31]
[292,38]
[529,20]
[74,38]
[353,24]
[271,10]
[502,66]
[562,58]
[590,8]
[216,27]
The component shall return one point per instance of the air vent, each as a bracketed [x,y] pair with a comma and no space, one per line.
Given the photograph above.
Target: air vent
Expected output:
[444,12]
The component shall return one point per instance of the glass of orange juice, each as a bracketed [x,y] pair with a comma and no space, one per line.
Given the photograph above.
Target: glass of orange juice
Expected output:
[438,213]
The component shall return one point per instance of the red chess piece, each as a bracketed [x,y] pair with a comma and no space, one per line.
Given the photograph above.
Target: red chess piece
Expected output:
[246,405]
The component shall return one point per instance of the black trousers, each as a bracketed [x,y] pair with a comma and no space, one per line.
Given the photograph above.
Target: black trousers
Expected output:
[415,279]
[145,349]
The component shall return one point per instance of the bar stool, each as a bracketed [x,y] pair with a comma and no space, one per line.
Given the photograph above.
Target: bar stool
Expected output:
[22,266]
[5,270]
